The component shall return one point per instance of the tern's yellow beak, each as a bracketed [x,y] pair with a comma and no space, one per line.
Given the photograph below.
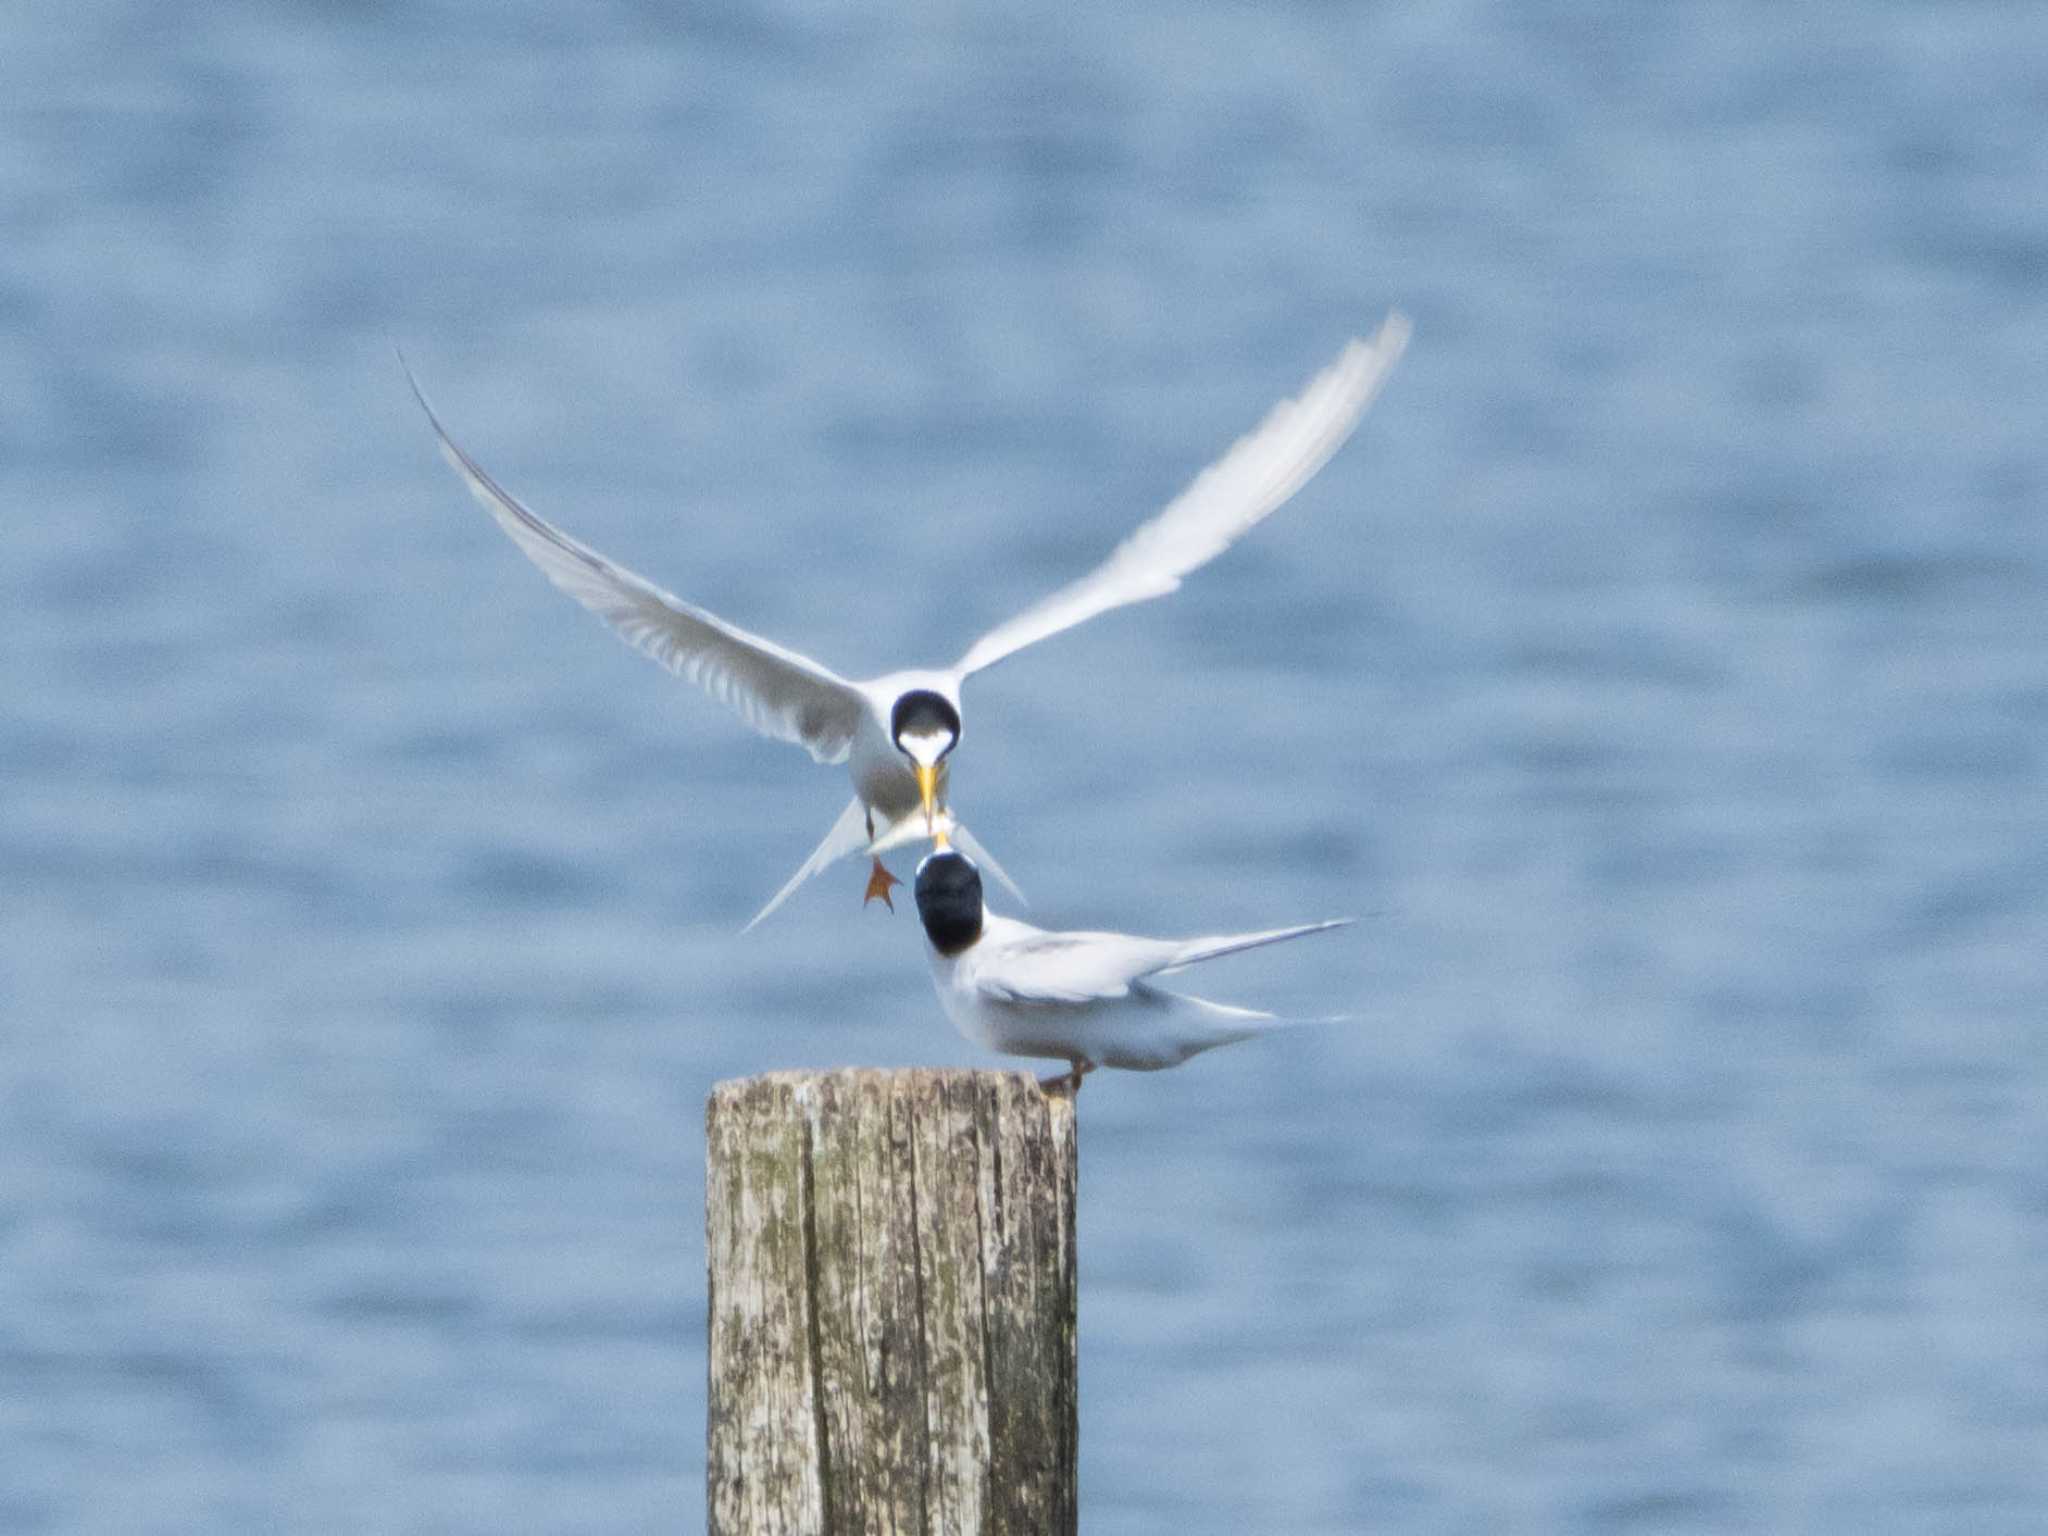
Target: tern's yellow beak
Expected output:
[927,790]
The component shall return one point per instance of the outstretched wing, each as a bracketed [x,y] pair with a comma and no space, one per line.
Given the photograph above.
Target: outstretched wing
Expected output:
[1226,500]
[776,691]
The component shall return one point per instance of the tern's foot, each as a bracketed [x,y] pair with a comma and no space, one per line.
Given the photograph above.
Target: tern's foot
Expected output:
[879,883]
[1068,1083]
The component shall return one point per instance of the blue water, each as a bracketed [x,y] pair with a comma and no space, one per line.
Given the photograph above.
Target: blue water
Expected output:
[1662,675]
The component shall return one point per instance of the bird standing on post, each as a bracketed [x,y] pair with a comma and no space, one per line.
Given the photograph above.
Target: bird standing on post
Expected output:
[897,733]
[1083,998]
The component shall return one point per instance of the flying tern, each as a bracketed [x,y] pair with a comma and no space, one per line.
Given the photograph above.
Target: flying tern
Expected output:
[1083,998]
[896,733]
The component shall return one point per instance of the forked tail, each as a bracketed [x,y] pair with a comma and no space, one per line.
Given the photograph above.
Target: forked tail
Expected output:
[849,835]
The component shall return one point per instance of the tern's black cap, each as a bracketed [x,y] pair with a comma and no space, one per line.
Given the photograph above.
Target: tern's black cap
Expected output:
[922,710]
[949,901]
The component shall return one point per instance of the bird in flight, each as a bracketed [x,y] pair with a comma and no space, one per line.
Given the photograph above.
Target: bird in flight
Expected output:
[897,733]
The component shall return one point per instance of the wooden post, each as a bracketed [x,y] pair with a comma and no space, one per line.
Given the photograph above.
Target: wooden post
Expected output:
[892,1304]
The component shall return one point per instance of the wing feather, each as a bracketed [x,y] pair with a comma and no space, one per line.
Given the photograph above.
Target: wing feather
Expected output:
[778,692]
[1230,497]
[1070,969]
[1195,951]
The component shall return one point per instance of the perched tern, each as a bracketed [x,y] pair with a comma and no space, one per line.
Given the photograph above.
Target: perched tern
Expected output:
[1083,998]
[897,733]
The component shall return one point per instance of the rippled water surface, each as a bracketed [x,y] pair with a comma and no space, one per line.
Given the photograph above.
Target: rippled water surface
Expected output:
[1661,675]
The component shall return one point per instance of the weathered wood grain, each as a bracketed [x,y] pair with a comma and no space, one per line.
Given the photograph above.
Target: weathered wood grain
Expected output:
[892,1304]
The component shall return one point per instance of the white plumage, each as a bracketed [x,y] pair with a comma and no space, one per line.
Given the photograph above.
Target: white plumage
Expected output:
[789,697]
[1084,998]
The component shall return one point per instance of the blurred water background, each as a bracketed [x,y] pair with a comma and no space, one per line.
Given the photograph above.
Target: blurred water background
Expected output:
[1661,674]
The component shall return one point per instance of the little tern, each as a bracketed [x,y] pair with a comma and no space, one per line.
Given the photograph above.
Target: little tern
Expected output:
[1083,998]
[897,733]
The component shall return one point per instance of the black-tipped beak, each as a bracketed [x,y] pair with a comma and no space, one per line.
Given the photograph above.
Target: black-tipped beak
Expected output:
[928,791]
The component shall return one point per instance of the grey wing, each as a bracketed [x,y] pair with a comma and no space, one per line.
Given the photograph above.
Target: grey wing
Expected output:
[1067,969]
[778,692]
[1194,951]
[1257,475]
[1071,968]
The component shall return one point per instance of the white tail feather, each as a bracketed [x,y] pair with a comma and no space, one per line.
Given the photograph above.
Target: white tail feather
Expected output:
[849,835]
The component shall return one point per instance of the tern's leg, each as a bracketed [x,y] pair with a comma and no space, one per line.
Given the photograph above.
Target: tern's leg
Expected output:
[879,881]
[1067,1082]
